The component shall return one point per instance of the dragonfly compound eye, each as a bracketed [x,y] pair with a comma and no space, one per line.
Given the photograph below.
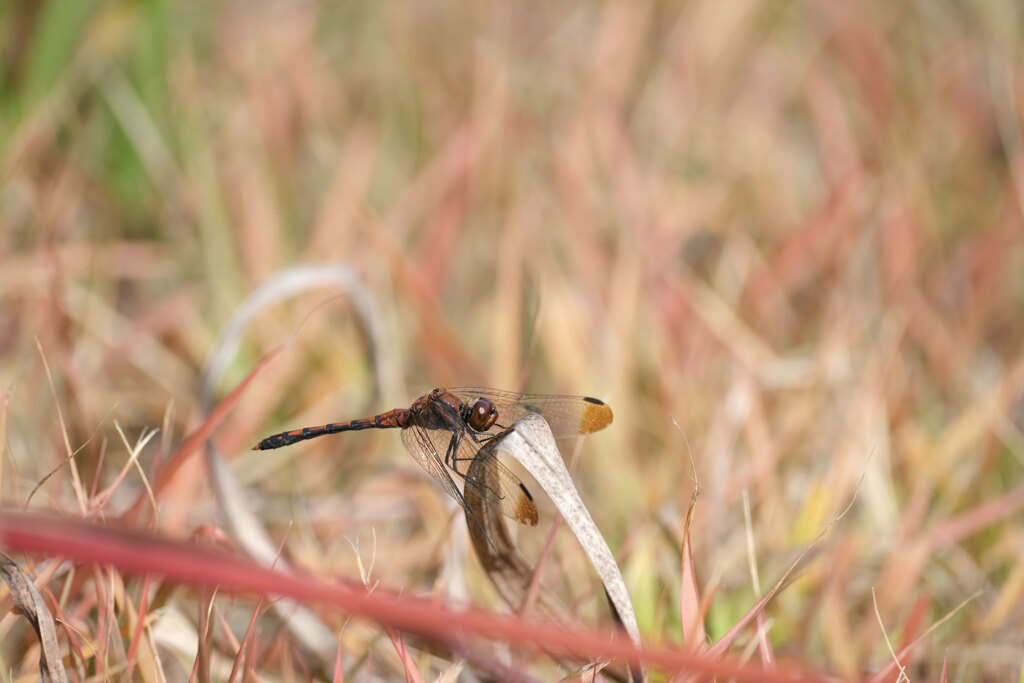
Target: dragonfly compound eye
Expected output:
[482,415]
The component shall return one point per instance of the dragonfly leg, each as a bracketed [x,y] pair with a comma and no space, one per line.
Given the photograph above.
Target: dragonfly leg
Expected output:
[451,455]
[453,459]
[484,437]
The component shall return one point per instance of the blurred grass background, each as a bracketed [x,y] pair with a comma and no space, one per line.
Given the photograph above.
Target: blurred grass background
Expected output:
[795,228]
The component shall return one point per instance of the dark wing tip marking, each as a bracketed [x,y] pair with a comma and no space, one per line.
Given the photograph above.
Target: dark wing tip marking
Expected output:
[595,401]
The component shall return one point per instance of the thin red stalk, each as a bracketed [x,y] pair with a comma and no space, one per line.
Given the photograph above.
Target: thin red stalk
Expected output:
[133,552]
[133,648]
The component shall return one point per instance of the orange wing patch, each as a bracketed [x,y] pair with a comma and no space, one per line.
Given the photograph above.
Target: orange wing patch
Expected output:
[526,511]
[596,416]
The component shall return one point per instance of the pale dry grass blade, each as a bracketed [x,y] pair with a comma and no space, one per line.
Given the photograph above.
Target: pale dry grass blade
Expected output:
[69,460]
[764,647]
[895,658]
[133,461]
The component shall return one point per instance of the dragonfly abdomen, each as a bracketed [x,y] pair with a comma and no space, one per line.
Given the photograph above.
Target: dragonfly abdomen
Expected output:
[389,420]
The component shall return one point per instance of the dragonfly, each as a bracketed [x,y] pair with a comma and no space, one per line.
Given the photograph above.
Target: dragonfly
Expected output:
[444,430]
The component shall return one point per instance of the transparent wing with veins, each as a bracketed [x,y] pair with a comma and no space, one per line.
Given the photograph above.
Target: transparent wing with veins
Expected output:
[430,447]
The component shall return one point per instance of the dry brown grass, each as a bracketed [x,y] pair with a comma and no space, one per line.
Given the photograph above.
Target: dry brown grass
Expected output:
[794,228]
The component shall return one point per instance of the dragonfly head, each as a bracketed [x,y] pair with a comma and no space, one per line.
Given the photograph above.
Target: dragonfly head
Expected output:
[482,415]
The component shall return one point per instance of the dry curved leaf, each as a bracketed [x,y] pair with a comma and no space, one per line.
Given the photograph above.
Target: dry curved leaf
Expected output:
[31,604]
[247,530]
[508,570]
[531,442]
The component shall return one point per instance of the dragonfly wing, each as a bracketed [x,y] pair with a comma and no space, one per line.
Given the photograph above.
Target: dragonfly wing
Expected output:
[421,446]
[566,415]
[498,484]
